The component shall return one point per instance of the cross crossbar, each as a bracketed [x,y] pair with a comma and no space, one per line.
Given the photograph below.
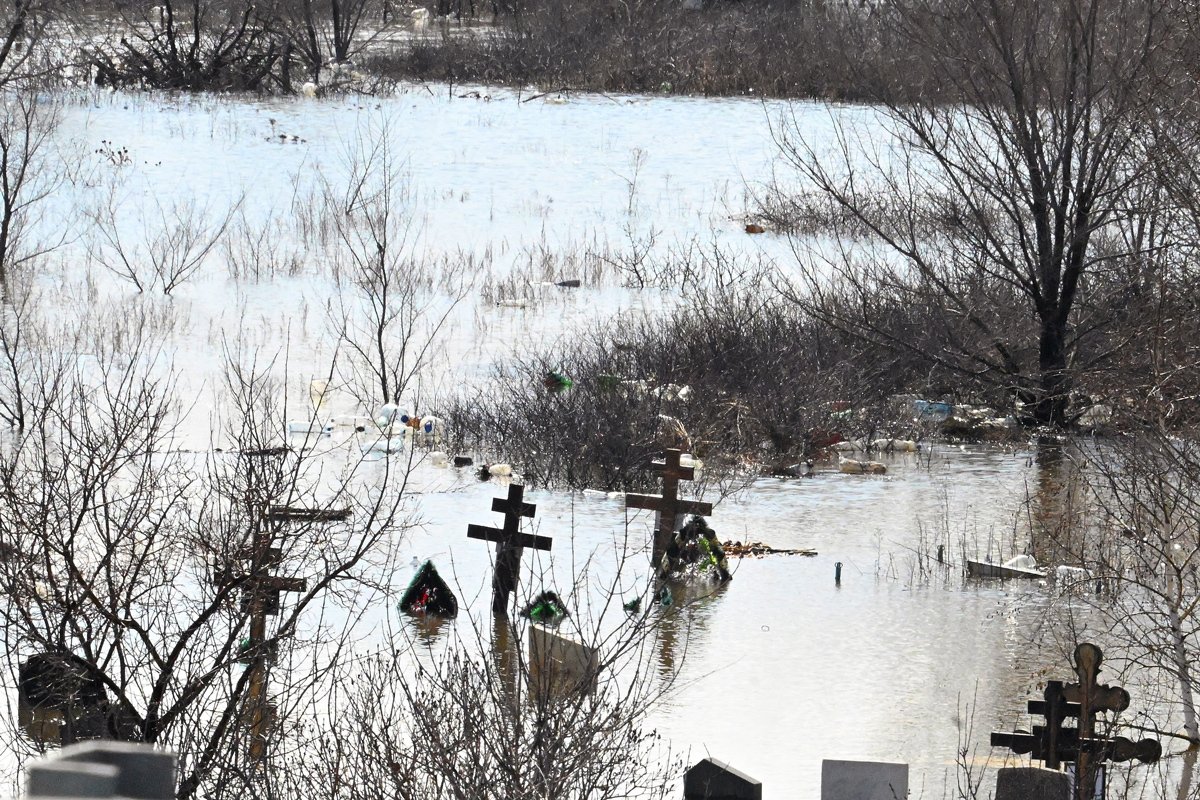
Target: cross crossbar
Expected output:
[654,502]
[499,535]
[503,505]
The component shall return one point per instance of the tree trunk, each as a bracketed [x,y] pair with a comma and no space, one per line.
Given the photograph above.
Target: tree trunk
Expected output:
[1054,398]
[1190,726]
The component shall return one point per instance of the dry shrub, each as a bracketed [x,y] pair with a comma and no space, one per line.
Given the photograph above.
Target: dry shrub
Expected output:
[765,386]
[790,49]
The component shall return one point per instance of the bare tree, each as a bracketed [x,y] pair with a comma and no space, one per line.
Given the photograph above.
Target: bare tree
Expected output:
[328,32]
[388,323]
[194,45]
[1142,550]
[984,201]
[151,571]
[28,178]
[480,716]
[175,243]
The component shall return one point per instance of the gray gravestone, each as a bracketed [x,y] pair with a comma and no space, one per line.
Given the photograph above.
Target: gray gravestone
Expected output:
[66,779]
[863,780]
[1032,783]
[558,664]
[105,769]
[715,780]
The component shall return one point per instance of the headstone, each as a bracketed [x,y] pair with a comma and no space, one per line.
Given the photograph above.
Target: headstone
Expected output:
[560,665]
[1032,783]
[715,780]
[59,699]
[863,780]
[66,779]
[105,769]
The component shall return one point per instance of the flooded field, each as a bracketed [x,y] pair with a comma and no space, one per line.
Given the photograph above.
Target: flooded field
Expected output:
[777,670]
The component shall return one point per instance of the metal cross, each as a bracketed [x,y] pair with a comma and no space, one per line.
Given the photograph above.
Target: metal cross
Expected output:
[510,543]
[1055,744]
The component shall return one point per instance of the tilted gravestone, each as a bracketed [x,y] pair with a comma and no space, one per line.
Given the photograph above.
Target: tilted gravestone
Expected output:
[863,780]
[510,544]
[715,780]
[558,664]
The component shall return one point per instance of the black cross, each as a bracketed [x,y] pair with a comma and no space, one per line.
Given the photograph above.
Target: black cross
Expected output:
[668,505]
[1055,744]
[510,543]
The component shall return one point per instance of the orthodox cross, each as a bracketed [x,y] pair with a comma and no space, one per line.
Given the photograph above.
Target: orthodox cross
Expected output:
[1055,744]
[251,568]
[510,543]
[260,599]
[668,505]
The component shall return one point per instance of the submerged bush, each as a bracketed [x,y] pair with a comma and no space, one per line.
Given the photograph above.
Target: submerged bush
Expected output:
[744,383]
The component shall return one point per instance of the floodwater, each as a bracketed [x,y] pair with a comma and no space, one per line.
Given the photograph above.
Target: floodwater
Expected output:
[783,667]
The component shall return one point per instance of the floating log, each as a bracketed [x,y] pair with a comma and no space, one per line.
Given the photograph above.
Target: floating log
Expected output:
[309,514]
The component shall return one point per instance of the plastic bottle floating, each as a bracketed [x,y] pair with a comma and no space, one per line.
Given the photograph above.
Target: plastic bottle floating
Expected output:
[428,427]
[310,427]
[388,414]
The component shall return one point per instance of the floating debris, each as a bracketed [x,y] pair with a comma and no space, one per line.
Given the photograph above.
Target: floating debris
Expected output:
[849,466]
[556,382]
[759,549]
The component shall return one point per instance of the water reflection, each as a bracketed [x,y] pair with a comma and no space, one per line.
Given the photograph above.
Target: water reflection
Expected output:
[683,623]
[427,629]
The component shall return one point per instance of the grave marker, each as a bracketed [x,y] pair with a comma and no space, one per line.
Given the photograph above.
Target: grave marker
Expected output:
[510,543]
[863,780]
[1031,783]
[1055,744]
[669,507]
[104,770]
[715,780]
[559,665]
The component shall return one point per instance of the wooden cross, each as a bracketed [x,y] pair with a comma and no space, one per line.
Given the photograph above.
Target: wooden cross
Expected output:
[668,505]
[510,543]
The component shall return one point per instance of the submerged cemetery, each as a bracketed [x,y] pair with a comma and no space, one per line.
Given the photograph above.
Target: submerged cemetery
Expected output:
[559,400]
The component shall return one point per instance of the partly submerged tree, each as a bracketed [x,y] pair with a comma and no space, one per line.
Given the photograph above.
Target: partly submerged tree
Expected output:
[394,306]
[202,45]
[977,204]
[328,32]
